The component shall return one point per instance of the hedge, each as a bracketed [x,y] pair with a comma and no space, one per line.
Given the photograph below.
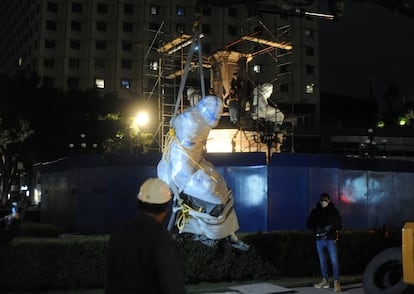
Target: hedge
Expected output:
[79,262]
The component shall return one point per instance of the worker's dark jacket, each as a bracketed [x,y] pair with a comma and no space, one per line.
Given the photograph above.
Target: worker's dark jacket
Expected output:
[143,258]
[325,221]
[8,229]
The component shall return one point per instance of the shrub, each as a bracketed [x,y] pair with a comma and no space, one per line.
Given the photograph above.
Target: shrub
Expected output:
[80,261]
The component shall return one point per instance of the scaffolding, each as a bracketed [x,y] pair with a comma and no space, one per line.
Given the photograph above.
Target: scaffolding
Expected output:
[172,62]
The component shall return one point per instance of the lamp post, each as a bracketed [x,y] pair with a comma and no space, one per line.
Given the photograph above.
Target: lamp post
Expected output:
[140,120]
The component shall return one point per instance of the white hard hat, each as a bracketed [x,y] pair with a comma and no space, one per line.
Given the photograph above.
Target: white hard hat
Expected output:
[154,191]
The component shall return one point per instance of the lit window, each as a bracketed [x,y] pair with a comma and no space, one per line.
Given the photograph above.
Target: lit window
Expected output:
[125,83]
[257,68]
[180,11]
[154,65]
[154,10]
[100,83]
[310,88]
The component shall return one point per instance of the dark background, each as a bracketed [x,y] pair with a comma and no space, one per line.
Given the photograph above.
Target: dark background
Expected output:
[370,47]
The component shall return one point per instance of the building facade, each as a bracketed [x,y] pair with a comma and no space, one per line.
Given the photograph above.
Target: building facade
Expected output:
[112,45]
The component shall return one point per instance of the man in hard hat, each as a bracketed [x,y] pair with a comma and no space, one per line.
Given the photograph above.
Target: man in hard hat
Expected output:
[143,257]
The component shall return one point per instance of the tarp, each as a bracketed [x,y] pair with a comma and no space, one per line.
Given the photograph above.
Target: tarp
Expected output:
[95,194]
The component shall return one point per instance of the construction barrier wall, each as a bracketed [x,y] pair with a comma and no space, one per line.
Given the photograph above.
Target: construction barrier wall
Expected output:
[97,193]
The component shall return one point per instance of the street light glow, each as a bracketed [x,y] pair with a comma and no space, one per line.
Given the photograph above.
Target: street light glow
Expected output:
[141,119]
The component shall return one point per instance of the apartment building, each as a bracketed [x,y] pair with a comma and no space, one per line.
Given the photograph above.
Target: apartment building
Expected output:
[112,45]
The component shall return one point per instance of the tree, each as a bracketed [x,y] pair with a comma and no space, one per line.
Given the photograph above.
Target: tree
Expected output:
[11,139]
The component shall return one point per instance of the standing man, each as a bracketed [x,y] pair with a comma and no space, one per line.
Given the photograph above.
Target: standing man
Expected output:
[326,220]
[143,257]
[232,102]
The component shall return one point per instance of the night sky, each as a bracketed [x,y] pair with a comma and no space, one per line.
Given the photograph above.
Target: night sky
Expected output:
[370,42]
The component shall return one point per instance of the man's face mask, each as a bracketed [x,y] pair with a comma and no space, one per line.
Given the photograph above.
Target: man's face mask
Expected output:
[324,203]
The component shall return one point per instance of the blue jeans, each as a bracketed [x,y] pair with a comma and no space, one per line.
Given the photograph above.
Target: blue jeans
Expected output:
[330,245]
[234,113]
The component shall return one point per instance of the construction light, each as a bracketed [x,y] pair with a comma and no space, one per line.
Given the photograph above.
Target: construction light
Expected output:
[282,45]
[185,44]
[403,121]
[141,119]
[380,124]
[257,68]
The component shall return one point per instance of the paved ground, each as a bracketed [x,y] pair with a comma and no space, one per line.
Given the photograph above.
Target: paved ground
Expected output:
[351,289]
[254,288]
[266,288]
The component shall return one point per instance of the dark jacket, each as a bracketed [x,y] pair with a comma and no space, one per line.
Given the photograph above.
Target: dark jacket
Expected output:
[8,229]
[143,258]
[325,221]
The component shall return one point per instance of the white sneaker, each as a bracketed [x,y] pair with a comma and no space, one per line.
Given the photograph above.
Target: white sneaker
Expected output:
[337,286]
[323,284]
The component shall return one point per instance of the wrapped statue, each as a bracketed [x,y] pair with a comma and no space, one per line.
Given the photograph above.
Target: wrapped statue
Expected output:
[203,203]
[261,107]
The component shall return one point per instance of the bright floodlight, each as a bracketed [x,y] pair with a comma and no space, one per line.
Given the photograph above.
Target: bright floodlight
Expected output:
[403,121]
[141,119]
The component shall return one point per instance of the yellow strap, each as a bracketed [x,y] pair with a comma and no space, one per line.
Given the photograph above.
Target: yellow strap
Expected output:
[172,137]
[185,216]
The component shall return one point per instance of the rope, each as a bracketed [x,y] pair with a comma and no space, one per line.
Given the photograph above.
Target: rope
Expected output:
[170,138]
[185,215]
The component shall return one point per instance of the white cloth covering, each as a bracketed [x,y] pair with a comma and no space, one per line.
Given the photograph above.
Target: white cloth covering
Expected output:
[184,165]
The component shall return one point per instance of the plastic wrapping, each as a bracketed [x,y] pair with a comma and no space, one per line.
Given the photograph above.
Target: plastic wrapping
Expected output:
[184,165]
[263,110]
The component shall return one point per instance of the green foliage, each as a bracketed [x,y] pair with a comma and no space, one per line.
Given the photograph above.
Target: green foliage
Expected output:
[15,132]
[50,263]
[13,135]
[35,229]
[76,262]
